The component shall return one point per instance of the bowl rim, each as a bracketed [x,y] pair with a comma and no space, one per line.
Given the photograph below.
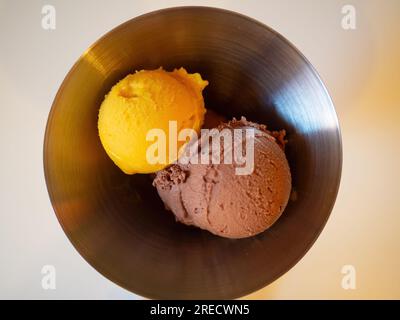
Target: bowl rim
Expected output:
[126,24]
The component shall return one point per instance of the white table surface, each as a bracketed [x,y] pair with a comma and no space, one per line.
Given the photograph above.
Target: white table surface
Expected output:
[361,69]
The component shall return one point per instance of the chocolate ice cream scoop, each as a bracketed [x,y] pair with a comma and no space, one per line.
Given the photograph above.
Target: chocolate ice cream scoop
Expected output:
[215,198]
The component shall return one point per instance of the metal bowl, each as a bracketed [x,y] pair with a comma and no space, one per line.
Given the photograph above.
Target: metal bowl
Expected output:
[118,223]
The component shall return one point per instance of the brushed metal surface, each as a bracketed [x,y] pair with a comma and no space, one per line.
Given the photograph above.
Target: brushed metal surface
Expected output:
[118,223]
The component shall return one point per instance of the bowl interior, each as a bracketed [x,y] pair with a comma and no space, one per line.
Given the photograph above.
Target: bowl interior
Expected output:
[118,223]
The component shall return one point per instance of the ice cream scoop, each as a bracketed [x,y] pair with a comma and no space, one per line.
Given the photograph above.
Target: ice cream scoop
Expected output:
[146,100]
[215,198]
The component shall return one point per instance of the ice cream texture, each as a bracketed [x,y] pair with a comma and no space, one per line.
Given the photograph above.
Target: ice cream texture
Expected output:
[146,100]
[214,198]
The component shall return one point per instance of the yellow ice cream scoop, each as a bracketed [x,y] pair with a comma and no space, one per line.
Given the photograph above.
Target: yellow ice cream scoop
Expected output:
[142,102]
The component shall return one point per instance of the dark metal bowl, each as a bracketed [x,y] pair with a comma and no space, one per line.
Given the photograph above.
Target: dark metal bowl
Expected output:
[118,223]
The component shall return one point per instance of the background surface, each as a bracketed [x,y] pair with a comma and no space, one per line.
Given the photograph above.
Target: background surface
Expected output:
[361,69]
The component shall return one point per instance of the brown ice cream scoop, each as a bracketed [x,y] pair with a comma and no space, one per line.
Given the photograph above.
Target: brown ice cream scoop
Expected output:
[215,198]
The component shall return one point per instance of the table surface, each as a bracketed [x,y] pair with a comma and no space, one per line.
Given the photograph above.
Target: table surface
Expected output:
[360,67]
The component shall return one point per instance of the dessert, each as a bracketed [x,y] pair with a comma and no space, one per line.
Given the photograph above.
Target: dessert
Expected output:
[145,100]
[213,197]
[235,180]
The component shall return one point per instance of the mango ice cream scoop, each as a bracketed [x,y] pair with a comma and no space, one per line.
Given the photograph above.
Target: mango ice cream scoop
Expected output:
[146,100]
